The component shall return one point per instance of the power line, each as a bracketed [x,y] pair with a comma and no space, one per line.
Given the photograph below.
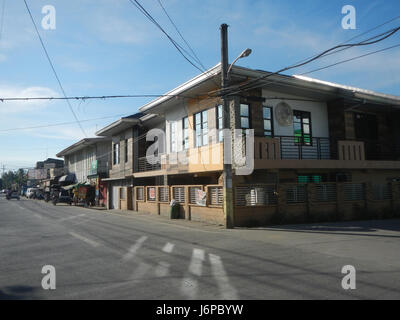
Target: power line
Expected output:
[60,123]
[247,86]
[175,44]
[180,34]
[104,97]
[355,37]
[54,70]
[351,59]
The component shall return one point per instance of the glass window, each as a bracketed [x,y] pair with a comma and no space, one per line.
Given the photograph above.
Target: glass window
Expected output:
[185,129]
[126,151]
[201,128]
[267,116]
[205,127]
[173,136]
[244,116]
[220,124]
[116,153]
[302,127]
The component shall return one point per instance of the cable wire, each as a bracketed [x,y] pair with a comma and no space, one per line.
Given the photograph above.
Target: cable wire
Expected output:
[247,86]
[54,70]
[175,44]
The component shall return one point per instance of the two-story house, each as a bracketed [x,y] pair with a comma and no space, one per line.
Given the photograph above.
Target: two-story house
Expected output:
[87,162]
[321,151]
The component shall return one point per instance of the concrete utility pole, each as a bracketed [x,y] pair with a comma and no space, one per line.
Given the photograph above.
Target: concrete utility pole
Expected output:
[227,177]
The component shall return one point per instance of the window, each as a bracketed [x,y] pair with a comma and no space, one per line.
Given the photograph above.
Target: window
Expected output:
[173,135]
[185,131]
[126,150]
[201,128]
[220,123]
[366,126]
[244,116]
[267,119]
[116,153]
[302,127]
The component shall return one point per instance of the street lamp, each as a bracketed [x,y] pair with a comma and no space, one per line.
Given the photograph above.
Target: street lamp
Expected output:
[244,54]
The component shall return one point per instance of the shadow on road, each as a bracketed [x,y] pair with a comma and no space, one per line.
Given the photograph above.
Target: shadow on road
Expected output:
[16,293]
[371,228]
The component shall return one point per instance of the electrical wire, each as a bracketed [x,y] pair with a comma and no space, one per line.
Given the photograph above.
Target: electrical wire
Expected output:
[54,70]
[98,97]
[59,124]
[325,67]
[351,59]
[178,47]
[247,85]
[355,37]
[180,34]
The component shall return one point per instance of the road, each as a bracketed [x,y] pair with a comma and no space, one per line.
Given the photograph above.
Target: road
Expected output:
[116,255]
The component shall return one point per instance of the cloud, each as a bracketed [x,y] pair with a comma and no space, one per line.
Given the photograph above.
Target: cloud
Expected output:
[113,29]
[8,107]
[78,66]
[72,133]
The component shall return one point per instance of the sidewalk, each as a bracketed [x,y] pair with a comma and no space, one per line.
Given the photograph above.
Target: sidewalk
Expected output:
[195,225]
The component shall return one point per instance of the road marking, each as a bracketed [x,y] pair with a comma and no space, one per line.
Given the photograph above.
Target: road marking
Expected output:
[168,247]
[189,285]
[134,249]
[227,291]
[196,263]
[73,217]
[37,216]
[88,241]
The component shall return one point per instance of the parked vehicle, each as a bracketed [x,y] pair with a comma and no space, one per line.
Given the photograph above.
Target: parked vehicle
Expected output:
[31,192]
[12,195]
[62,197]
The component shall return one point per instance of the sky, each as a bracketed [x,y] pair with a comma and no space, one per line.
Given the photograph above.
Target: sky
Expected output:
[104,47]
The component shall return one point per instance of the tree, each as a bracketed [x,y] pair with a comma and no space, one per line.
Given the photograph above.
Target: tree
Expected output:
[11,178]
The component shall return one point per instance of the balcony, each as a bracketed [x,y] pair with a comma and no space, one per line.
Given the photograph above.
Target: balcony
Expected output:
[144,165]
[321,152]
[202,159]
[314,153]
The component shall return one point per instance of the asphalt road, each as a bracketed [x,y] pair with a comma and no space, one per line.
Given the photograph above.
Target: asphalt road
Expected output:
[116,255]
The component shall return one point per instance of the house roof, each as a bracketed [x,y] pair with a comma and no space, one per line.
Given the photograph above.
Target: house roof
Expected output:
[296,85]
[123,124]
[81,145]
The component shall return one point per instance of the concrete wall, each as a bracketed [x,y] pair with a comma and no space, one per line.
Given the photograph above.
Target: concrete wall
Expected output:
[318,110]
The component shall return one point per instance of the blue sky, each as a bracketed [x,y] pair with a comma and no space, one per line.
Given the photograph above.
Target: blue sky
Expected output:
[102,47]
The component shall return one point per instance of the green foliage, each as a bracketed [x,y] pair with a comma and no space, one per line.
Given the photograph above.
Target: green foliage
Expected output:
[14,178]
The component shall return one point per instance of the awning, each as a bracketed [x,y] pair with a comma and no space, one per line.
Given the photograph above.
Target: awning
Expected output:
[68,178]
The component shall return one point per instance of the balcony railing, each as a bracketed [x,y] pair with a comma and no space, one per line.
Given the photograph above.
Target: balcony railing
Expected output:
[144,165]
[303,148]
[292,147]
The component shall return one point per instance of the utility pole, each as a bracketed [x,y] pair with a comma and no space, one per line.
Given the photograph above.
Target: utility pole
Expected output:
[227,176]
